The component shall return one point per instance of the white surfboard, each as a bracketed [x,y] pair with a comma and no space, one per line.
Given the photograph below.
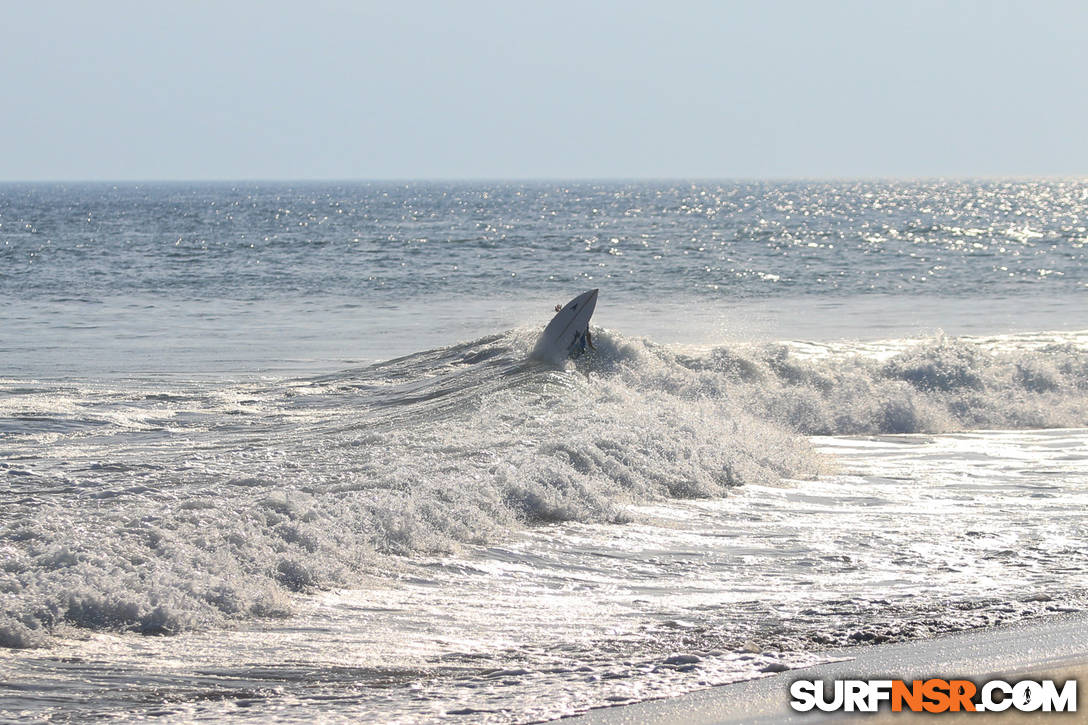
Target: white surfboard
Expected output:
[564,335]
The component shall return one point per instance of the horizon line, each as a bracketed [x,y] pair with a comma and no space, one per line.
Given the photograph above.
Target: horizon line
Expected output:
[558,179]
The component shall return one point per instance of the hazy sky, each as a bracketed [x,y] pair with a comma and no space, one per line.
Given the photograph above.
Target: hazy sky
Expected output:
[394,90]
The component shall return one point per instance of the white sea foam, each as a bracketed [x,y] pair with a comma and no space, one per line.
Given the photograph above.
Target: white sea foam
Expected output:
[915,536]
[158,509]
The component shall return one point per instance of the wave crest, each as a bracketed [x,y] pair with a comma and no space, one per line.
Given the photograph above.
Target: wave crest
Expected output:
[322,482]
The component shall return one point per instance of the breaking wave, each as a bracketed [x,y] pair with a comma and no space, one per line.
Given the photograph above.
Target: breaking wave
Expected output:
[158,509]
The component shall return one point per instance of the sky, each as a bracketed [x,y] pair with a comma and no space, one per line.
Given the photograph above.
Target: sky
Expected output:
[326,89]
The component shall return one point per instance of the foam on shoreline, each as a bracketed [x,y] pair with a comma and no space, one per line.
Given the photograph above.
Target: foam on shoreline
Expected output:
[1052,647]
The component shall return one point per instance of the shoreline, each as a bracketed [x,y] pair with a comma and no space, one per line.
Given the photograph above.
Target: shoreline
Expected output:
[1050,647]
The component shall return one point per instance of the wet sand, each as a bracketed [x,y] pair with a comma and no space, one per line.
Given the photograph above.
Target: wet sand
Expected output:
[1053,647]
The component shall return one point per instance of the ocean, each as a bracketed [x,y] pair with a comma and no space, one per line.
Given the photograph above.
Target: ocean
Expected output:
[277,452]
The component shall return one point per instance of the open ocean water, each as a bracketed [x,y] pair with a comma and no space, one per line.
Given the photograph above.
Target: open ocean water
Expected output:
[275,451]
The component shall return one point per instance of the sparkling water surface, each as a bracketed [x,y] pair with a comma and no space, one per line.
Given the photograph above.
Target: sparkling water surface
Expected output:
[386,243]
[275,451]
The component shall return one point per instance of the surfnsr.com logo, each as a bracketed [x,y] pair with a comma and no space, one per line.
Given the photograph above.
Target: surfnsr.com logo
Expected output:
[933,695]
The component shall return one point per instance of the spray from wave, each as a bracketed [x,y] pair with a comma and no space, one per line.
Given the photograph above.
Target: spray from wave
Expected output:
[162,510]
[929,386]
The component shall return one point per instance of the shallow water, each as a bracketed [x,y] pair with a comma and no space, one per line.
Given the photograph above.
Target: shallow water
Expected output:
[914,536]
